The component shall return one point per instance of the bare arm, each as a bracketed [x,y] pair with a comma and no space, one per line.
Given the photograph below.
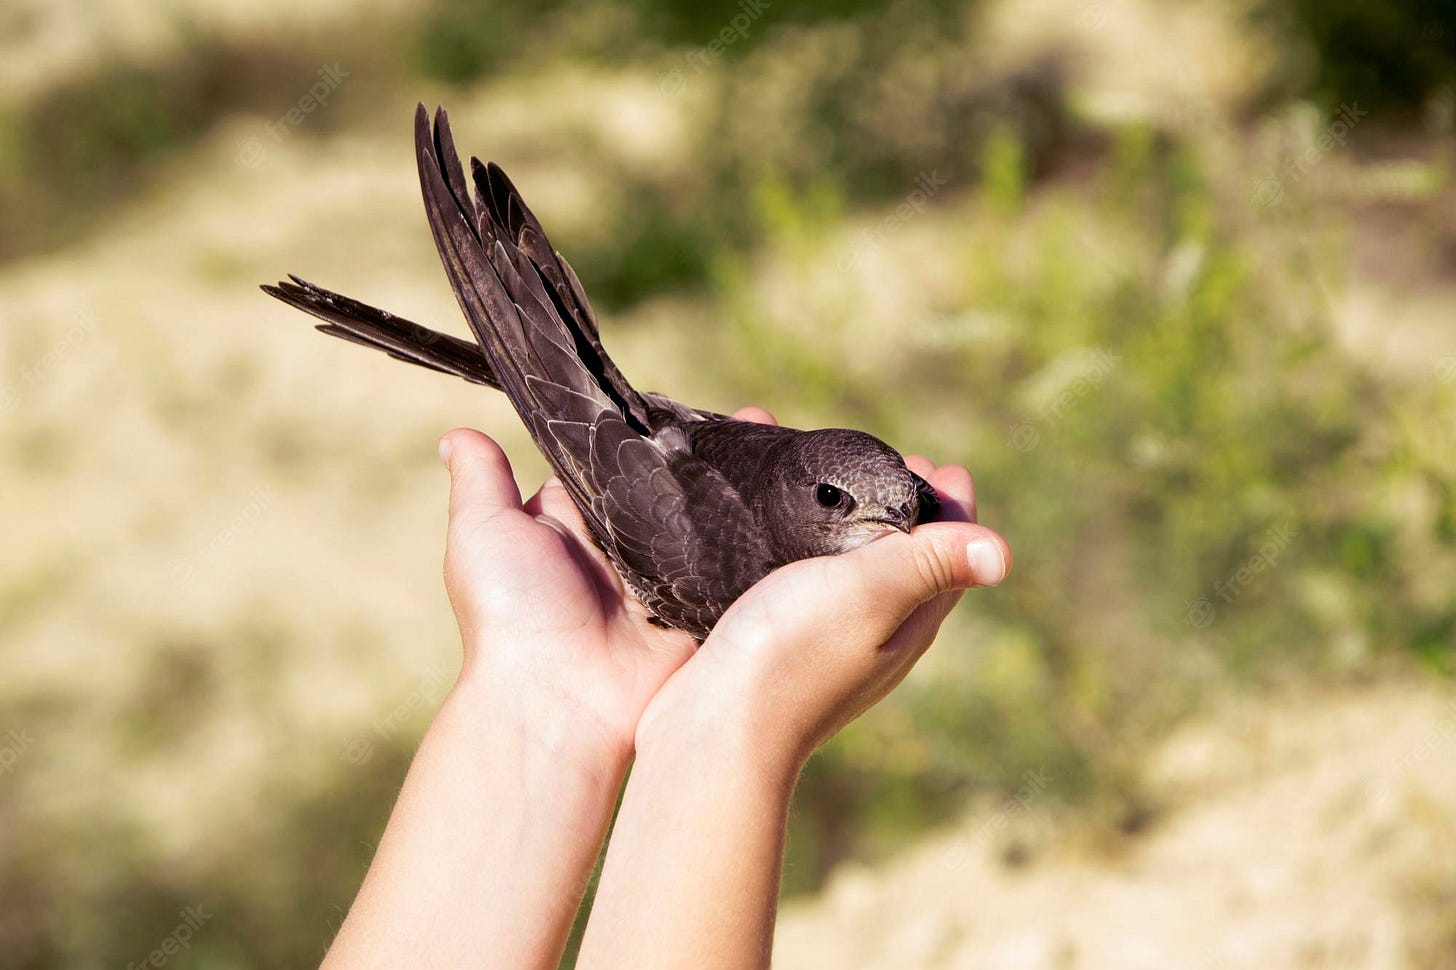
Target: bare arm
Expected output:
[491,843]
[485,858]
[692,874]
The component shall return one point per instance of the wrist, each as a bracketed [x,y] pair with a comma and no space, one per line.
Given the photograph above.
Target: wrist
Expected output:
[537,730]
[715,732]
[721,759]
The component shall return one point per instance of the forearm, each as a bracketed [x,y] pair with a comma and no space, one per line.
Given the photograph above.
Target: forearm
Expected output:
[489,848]
[692,873]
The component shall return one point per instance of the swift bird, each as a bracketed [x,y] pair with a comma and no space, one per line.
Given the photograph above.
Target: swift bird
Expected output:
[691,507]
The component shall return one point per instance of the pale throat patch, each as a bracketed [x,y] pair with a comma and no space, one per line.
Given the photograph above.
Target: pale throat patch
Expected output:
[861,534]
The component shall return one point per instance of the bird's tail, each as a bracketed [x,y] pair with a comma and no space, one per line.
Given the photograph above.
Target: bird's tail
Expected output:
[399,338]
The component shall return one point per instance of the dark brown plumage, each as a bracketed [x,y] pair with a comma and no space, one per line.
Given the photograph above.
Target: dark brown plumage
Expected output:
[691,507]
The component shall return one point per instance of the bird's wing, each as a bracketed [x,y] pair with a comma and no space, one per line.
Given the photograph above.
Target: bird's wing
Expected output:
[692,567]
[372,327]
[514,220]
[928,509]
[636,495]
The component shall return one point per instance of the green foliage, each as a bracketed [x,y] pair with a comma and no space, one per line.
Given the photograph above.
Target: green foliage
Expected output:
[877,111]
[98,135]
[1003,171]
[1390,56]
[655,247]
[1195,476]
[684,23]
[460,41]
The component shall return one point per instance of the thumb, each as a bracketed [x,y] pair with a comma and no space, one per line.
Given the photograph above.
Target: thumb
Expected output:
[936,558]
[480,475]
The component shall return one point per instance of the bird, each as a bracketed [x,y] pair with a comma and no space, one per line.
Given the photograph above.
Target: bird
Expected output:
[690,506]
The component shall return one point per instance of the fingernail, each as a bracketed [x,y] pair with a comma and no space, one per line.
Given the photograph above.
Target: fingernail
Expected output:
[987,563]
[445,452]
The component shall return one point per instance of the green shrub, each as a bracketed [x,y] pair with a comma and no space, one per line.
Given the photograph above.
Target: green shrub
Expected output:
[1390,56]
[1198,480]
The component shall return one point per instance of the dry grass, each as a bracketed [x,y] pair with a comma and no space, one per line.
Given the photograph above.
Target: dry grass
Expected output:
[1314,832]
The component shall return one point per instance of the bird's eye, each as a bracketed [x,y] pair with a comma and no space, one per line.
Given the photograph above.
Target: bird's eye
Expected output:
[828,496]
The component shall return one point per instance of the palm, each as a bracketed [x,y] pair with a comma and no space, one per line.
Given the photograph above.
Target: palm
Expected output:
[592,598]
[530,586]
[530,571]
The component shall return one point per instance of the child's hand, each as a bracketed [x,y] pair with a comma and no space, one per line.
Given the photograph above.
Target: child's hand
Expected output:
[550,631]
[817,642]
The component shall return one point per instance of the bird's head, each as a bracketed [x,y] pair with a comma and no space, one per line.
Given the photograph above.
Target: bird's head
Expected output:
[839,489]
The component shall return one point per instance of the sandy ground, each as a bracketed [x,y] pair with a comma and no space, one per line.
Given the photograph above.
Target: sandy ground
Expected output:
[1313,833]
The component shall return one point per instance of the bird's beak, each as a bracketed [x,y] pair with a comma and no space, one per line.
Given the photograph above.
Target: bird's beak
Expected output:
[895,519]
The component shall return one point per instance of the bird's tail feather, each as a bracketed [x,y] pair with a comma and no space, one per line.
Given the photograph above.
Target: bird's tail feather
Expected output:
[401,339]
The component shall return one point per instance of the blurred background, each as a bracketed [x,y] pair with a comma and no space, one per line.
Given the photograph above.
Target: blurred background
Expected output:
[1176,281]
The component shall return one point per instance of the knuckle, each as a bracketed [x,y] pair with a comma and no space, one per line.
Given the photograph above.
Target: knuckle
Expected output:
[932,570]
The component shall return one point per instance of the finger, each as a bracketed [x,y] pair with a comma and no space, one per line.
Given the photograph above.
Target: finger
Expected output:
[936,558]
[555,525]
[536,504]
[955,481]
[553,507]
[756,415]
[480,475]
[916,635]
[552,500]
[952,509]
[920,465]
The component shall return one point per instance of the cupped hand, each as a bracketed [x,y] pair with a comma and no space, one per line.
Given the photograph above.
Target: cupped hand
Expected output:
[817,642]
[550,631]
